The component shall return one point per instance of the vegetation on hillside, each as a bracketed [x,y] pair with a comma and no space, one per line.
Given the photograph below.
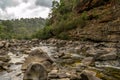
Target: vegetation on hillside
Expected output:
[69,19]
[20,28]
[81,20]
[61,19]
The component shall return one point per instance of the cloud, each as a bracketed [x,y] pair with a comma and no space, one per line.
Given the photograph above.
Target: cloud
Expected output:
[10,9]
[5,15]
[8,3]
[44,3]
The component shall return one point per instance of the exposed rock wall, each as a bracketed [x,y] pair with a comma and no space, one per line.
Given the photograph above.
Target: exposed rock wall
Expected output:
[103,23]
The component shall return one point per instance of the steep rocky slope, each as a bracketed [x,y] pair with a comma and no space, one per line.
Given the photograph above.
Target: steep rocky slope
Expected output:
[93,20]
[103,23]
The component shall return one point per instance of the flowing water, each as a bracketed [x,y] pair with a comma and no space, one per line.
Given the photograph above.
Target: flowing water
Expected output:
[15,72]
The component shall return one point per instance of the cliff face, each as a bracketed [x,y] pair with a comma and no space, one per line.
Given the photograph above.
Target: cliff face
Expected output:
[96,20]
[89,4]
[103,23]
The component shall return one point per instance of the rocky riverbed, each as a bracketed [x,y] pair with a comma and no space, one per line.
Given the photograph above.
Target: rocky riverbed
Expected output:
[59,60]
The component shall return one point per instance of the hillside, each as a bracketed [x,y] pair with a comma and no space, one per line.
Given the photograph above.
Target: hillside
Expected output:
[91,20]
[20,28]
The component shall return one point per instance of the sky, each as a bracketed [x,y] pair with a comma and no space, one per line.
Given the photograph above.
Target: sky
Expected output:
[12,9]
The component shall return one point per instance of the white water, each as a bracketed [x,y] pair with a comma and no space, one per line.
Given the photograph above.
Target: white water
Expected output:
[15,68]
[16,64]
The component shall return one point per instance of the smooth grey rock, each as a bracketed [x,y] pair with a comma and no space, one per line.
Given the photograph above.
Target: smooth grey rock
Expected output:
[35,71]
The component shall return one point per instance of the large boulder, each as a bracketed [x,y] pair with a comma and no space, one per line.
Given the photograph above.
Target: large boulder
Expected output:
[35,71]
[37,65]
[39,56]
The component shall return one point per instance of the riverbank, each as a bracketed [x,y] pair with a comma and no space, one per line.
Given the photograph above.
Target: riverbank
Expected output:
[71,60]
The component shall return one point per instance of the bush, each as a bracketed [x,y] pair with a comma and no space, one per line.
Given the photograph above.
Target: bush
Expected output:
[84,15]
[44,33]
[62,19]
[58,28]
[63,36]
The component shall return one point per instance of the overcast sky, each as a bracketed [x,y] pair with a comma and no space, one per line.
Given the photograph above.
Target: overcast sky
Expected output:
[11,9]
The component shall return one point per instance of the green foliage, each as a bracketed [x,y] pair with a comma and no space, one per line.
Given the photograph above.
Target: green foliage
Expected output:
[1,28]
[61,19]
[20,28]
[1,31]
[43,33]
[47,32]
[75,3]
[81,20]
[65,19]
[84,15]
[63,36]
[55,4]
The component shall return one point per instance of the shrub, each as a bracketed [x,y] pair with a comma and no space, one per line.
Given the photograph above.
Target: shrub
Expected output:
[62,19]
[63,36]
[84,15]
[44,33]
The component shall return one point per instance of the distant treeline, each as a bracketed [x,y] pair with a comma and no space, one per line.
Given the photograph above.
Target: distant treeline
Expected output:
[20,28]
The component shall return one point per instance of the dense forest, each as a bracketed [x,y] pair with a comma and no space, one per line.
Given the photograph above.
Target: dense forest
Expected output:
[20,28]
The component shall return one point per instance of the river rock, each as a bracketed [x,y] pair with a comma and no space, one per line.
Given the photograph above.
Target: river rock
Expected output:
[87,61]
[53,74]
[39,56]
[1,44]
[64,79]
[35,71]
[110,56]
[3,65]
[62,75]
[4,58]
[66,56]
[88,75]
